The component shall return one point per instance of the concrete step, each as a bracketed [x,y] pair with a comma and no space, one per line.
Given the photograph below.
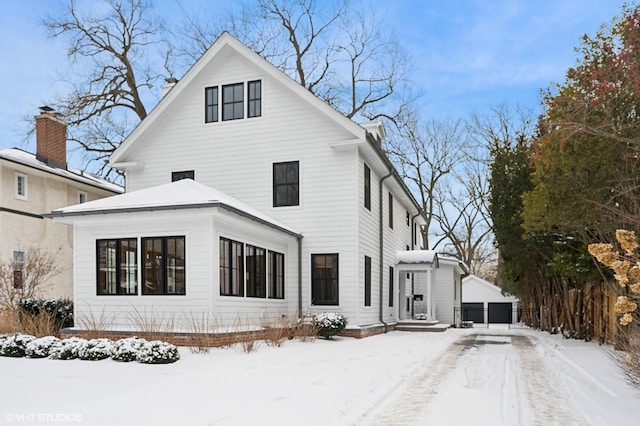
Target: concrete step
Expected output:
[416,326]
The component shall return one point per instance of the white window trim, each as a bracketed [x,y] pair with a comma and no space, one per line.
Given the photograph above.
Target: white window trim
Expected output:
[25,186]
[80,195]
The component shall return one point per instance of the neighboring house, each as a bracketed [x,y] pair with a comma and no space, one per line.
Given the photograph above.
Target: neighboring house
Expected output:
[247,197]
[484,303]
[32,185]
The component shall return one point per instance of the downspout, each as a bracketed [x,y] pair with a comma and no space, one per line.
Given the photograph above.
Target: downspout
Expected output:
[300,277]
[380,199]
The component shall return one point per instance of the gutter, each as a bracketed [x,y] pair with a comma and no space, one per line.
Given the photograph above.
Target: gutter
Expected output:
[380,201]
[128,165]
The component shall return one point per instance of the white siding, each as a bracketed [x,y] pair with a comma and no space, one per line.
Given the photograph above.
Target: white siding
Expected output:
[237,157]
[447,291]
[202,231]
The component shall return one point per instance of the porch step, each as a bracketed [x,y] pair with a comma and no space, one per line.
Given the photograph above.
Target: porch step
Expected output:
[421,326]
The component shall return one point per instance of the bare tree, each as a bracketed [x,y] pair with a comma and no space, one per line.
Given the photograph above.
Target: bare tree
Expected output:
[466,224]
[427,156]
[26,277]
[333,49]
[117,48]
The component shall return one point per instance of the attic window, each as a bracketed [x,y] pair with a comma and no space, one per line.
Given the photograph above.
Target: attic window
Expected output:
[233,101]
[254,98]
[211,104]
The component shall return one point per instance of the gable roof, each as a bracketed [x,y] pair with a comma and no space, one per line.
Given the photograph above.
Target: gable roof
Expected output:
[27,159]
[471,279]
[226,40]
[182,194]
[367,134]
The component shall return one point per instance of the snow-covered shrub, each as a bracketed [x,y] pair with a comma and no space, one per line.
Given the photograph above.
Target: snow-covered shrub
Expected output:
[41,347]
[60,309]
[96,349]
[158,352]
[328,324]
[68,348]
[15,345]
[126,350]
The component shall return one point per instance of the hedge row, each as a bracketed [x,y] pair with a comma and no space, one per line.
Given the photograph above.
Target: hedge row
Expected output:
[124,350]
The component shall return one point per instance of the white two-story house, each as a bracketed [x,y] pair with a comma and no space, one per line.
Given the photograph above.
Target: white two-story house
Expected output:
[247,197]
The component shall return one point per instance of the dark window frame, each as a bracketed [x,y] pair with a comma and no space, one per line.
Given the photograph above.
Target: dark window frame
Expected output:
[367,187]
[321,280]
[256,275]
[118,268]
[211,105]
[367,281]
[276,275]
[162,270]
[229,271]
[254,98]
[286,193]
[183,174]
[233,105]
[391,289]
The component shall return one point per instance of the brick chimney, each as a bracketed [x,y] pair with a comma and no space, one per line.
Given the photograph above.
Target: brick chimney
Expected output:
[51,138]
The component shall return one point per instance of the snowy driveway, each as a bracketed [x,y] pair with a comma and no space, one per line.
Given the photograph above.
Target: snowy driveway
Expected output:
[485,379]
[477,377]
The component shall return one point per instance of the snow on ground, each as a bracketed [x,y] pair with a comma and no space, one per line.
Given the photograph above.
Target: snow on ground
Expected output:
[461,376]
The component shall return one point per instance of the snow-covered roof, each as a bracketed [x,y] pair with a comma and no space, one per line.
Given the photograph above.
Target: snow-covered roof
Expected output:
[19,156]
[417,256]
[454,260]
[474,279]
[182,194]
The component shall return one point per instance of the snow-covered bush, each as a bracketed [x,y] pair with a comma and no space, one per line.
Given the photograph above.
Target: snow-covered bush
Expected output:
[60,309]
[126,350]
[158,352]
[68,348]
[96,349]
[41,347]
[328,324]
[15,345]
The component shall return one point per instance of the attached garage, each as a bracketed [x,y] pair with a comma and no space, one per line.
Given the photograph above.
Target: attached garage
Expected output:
[484,303]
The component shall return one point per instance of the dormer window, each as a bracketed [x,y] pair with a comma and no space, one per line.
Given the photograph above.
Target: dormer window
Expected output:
[232,100]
